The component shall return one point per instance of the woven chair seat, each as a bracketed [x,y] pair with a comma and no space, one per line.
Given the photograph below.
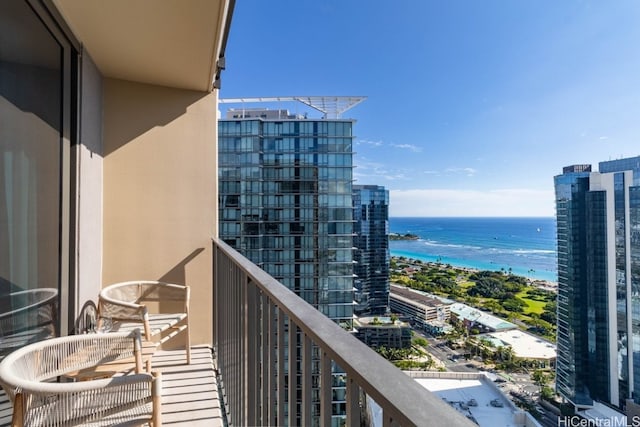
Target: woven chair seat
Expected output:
[158,323]
[160,310]
[36,379]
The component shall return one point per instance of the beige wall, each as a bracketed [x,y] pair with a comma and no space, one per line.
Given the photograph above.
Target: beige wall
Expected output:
[160,190]
[89,157]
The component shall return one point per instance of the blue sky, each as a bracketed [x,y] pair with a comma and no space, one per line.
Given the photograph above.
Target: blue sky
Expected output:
[472,106]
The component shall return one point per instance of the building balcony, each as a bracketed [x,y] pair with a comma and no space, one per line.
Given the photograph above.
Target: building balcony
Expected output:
[263,378]
[252,376]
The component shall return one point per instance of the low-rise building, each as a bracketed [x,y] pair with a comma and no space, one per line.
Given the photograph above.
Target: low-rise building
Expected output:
[471,317]
[473,395]
[476,397]
[422,310]
[383,332]
[524,345]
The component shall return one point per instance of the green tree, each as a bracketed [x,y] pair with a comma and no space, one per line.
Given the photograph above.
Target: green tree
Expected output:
[420,341]
[547,393]
[541,378]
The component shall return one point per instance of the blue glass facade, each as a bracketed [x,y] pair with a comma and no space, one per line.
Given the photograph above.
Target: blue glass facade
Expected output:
[286,204]
[571,365]
[599,283]
[371,216]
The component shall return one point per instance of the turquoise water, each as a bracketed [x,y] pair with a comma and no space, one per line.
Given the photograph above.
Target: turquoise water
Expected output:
[525,246]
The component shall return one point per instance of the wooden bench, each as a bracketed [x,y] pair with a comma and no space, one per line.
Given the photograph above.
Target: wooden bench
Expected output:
[159,309]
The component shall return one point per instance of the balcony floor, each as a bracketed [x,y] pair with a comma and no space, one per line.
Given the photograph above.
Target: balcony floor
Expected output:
[189,392]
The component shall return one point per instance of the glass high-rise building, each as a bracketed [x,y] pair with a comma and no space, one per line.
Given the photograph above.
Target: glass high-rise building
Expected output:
[598,216]
[371,216]
[285,188]
[286,201]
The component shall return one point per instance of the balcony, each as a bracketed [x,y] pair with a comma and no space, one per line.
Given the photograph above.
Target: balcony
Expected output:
[263,379]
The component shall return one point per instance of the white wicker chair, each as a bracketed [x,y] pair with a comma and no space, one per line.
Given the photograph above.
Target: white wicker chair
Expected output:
[32,375]
[160,309]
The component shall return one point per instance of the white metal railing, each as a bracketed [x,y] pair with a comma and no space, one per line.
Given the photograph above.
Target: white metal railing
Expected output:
[256,317]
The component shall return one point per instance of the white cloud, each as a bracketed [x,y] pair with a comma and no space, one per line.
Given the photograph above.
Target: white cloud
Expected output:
[603,138]
[411,147]
[369,142]
[379,174]
[366,170]
[470,203]
[466,171]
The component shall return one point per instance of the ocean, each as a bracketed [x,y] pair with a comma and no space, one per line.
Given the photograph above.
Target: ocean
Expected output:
[524,246]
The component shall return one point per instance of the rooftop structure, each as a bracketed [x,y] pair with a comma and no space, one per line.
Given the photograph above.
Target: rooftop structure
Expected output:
[476,397]
[524,345]
[474,317]
[332,107]
[416,296]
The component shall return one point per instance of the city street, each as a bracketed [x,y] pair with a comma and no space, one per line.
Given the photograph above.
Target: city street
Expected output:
[519,383]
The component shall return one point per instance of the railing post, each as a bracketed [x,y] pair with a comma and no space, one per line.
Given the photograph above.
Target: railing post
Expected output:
[281,383]
[353,403]
[269,362]
[293,372]
[252,315]
[236,328]
[306,380]
[326,384]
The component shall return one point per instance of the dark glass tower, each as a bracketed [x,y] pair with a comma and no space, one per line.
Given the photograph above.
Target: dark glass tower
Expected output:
[285,188]
[598,216]
[371,216]
[286,202]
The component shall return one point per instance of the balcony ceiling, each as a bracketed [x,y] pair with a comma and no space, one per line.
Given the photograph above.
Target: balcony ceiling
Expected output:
[173,43]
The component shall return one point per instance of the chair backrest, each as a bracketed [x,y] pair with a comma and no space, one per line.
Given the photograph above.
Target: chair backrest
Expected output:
[27,316]
[26,367]
[145,291]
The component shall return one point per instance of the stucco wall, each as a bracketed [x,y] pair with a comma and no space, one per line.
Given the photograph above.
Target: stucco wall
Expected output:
[89,166]
[160,190]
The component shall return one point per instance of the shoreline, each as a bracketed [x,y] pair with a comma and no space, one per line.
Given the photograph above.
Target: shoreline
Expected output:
[540,283]
[519,270]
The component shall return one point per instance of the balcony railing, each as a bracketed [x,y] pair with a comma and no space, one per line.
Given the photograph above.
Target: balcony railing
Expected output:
[254,313]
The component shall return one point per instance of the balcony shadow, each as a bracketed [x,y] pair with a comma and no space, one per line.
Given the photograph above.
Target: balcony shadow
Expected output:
[132,109]
[178,273]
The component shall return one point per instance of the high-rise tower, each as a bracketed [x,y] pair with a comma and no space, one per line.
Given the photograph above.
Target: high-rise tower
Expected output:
[371,216]
[286,204]
[598,217]
[286,200]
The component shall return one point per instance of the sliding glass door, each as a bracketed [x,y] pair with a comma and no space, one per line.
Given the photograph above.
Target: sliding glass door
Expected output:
[34,176]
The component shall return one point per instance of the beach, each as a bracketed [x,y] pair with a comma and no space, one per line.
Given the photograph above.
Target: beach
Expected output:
[522,246]
[548,285]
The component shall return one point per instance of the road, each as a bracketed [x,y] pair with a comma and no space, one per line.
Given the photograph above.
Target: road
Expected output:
[519,382]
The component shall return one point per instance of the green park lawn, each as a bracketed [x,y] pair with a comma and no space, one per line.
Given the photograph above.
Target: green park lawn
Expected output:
[533,305]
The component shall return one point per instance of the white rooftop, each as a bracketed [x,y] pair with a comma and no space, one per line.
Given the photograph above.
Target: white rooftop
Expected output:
[525,345]
[475,315]
[458,389]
